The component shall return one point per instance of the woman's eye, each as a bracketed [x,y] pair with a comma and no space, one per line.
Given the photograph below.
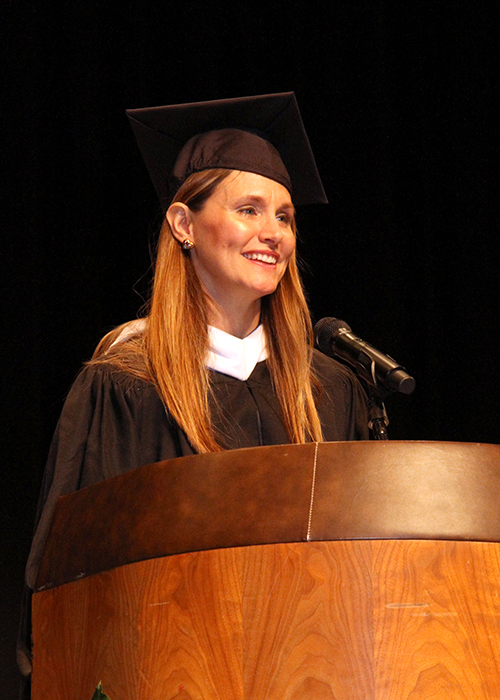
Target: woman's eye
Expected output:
[248,210]
[284,218]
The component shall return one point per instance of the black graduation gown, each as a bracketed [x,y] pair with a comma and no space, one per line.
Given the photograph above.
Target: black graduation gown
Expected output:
[112,422]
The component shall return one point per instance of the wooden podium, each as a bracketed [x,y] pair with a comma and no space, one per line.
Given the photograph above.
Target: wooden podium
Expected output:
[338,571]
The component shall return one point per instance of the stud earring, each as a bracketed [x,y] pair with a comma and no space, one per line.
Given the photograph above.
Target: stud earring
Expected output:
[187,244]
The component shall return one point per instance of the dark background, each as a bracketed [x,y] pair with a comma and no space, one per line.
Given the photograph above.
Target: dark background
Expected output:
[398,103]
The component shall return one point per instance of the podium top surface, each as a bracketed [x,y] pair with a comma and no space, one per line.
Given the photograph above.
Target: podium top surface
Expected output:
[282,493]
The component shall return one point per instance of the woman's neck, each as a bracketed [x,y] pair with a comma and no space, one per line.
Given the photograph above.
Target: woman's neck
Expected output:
[234,321]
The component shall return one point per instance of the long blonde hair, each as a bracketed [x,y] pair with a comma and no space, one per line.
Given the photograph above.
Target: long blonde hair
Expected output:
[172,349]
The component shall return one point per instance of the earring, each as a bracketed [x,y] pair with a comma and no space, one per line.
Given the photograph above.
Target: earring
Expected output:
[187,244]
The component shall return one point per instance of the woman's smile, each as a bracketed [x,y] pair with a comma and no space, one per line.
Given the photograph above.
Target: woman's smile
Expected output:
[266,258]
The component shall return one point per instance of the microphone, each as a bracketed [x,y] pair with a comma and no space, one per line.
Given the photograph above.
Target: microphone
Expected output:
[335,338]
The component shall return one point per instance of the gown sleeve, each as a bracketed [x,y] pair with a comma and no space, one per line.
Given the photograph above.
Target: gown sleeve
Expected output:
[110,423]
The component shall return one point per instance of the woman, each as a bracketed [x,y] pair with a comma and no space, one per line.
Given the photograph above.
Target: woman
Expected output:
[224,357]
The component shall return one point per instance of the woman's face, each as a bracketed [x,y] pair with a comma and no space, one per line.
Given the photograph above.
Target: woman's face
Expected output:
[243,238]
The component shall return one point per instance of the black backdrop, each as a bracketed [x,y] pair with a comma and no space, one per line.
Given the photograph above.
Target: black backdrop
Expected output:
[398,102]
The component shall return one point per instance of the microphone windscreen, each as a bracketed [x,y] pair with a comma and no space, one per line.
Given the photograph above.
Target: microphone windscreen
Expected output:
[326,330]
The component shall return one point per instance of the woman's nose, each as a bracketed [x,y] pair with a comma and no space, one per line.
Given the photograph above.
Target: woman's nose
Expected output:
[271,230]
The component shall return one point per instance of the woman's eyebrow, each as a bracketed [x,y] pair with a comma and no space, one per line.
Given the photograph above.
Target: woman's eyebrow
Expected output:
[288,206]
[258,199]
[252,198]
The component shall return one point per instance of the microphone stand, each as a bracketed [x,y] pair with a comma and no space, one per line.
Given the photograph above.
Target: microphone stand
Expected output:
[377,415]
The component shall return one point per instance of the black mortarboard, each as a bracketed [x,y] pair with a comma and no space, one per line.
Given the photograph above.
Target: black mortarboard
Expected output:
[262,134]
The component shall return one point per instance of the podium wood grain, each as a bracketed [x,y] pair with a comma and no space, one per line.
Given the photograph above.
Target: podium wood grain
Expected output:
[343,620]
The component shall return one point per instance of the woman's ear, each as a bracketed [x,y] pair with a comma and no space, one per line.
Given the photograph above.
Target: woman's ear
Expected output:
[179,218]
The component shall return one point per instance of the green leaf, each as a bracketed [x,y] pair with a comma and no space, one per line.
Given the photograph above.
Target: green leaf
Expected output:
[99,694]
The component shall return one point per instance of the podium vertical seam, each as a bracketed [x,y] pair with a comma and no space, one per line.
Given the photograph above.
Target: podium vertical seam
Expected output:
[312,491]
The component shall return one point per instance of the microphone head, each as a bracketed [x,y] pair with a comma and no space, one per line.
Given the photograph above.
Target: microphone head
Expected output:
[326,330]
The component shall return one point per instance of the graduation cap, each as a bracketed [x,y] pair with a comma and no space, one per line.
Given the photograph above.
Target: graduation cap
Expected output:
[263,134]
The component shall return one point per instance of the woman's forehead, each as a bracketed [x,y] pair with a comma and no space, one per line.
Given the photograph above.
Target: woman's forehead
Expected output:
[240,183]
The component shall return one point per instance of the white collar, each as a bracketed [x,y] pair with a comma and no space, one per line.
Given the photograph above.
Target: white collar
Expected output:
[233,356]
[229,355]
